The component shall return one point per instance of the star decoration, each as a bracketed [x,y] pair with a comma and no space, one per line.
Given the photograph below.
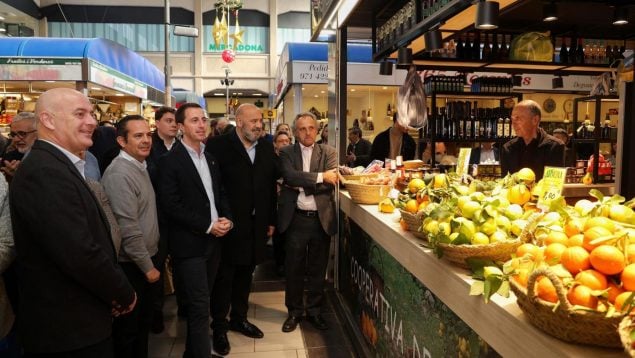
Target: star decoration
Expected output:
[217,32]
[223,27]
[238,33]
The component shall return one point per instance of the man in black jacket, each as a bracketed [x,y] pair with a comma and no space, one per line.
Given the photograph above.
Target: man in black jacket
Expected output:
[248,166]
[358,150]
[392,142]
[532,148]
[195,207]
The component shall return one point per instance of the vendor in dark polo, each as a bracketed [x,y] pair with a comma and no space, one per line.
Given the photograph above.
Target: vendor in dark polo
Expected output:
[533,147]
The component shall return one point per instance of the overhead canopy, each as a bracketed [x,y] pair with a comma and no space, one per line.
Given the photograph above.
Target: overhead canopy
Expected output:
[314,51]
[105,52]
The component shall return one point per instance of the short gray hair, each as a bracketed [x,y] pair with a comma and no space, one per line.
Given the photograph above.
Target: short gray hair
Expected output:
[533,107]
[302,115]
[25,116]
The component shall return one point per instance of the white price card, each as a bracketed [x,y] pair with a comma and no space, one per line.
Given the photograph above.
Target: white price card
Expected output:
[552,184]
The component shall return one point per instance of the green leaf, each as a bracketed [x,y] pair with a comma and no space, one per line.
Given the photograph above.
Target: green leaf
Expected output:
[596,194]
[491,211]
[615,199]
[477,264]
[477,288]
[461,240]
[632,335]
[504,289]
[487,290]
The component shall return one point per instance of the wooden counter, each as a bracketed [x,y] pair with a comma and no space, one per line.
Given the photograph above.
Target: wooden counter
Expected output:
[500,323]
[582,190]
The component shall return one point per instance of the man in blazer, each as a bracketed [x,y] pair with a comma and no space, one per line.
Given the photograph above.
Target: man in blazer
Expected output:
[69,280]
[358,150]
[306,214]
[248,166]
[193,202]
[392,142]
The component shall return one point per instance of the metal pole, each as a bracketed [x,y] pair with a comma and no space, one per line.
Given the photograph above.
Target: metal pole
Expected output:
[166,70]
[227,92]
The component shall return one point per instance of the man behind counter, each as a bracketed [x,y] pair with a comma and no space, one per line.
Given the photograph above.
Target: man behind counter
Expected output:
[533,147]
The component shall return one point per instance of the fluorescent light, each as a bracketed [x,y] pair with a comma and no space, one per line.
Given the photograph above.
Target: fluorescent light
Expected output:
[49,81]
[345,10]
[119,94]
[316,96]
[1,18]
[353,90]
[2,29]
[240,93]
[218,94]
[257,94]
[95,88]
[322,92]
[384,87]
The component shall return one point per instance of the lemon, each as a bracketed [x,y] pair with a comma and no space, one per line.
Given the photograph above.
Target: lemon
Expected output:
[584,206]
[470,208]
[518,194]
[497,236]
[415,185]
[479,239]
[440,181]
[526,176]
[386,206]
[514,211]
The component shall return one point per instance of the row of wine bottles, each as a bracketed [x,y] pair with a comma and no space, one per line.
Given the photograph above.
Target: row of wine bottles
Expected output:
[465,120]
[589,52]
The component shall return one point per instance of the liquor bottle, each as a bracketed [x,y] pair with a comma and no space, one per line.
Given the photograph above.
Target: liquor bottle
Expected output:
[579,52]
[487,49]
[476,47]
[609,54]
[399,167]
[495,49]
[503,53]
[507,132]
[460,49]
[606,129]
[564,54]
[622,50]
[572,50]
[483,131]
[475,119]
[389,111]
[500,125]
[616,53]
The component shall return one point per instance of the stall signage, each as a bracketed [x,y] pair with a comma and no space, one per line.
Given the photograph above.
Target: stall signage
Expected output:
[269,113]
[310,72]
[396,314]
[108,77]
[249,48]
[463,161]
[40,69]
[552,184]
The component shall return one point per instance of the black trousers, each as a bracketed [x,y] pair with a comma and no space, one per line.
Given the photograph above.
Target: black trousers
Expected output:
[231,290]
[157,292]
[307,252]
[130,331]
[101,349]
[197,275]
[278,247]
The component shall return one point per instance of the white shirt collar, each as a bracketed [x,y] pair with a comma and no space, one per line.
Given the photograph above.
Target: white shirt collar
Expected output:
[142,165]
[78,162]
[192,151]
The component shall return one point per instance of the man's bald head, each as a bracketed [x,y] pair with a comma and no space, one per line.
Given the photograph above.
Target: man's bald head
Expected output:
[248,123]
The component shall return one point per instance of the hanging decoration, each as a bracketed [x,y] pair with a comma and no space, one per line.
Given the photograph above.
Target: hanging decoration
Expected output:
[220,29]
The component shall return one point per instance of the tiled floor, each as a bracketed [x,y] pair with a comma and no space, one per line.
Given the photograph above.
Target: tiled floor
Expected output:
[268,312]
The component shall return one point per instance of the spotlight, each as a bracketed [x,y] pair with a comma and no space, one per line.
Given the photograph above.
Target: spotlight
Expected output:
[620,15]
[385,68]
[433,40]
[550,12]
[557,82]
[404,56]
[487,15]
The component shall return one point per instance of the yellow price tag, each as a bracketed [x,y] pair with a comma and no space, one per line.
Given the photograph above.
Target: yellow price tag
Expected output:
[463,162]
[552,184]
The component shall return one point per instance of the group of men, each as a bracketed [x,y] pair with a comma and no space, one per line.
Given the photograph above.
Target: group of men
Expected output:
[83,259]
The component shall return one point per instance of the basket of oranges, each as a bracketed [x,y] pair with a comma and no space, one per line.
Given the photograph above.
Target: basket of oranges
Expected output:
[412,222]
[564,320]
[626,330]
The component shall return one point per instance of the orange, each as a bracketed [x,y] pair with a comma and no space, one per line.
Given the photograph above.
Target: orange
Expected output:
[553,253]
[518,194]
[575,240]
[592,234]
[599,221]
[521,276]
[613,291]
[630,253]
[412,206]
[581,295]
[620,299]
[528,248]
[573,227]
[556,236]
[546,290]
[592,279]
[575,259]
[628,277]
[607,259]
[403,225]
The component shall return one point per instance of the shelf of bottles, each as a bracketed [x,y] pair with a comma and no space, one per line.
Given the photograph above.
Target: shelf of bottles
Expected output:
[594,131]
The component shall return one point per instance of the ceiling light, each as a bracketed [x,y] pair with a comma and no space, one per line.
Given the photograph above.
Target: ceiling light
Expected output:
[352,89]
[1,18]
[487,15]
[404,56]
[49,81]
[316,96]
[119,94]
[219,94]
[303,88]
[384,87]
[2,29]
[620,15]
[550,12]
[95,88]
[433,40]
[385,68]
[257,94]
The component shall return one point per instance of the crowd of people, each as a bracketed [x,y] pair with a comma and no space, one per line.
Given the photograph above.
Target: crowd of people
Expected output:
[86,244]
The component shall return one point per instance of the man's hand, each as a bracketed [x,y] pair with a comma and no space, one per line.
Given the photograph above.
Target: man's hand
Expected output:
[222,227]
[270,230]
[351,158]
[10,167]
[117,310]
[153,275]
[330,176]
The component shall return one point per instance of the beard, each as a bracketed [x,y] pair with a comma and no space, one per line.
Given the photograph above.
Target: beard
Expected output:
[252,136]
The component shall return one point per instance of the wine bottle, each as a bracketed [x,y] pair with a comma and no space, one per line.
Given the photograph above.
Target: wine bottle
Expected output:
[476,47]
[487,49]
[573,50]
[507,131]
[460,49]
[564,53]
[389,111]
[579,53]
[500,125]
[606,129]
[495,49]
[609,54]
[475,121]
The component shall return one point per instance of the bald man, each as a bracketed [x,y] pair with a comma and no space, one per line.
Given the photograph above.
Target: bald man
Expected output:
[70,283]
[533,147]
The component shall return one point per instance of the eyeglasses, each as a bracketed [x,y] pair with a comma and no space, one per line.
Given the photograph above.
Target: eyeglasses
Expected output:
[20,134]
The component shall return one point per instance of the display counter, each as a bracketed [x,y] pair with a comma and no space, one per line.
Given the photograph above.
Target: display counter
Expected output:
[582,190]
[401,300]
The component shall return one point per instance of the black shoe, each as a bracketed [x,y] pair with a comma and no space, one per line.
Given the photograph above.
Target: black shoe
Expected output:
[290,323]
[318,322]
[157,326]
[246,328]
[221,343]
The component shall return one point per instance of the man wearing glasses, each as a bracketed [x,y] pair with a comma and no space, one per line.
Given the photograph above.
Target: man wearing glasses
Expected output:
[23,134]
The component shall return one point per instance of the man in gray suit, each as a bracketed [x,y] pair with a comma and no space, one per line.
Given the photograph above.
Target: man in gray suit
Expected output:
[306,213]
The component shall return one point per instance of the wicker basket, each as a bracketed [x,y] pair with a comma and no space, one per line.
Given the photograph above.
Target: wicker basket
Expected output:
[358,176]
[624,329]
[499,251]
[365,193]
[413,222]
[564,322]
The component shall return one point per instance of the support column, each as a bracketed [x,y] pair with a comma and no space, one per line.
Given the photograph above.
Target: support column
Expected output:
[273,43]
[198,48]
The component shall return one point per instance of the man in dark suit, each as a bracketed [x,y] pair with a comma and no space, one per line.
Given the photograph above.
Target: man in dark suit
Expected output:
[248,166]
[358,150]
[306,215]
[193,202]
[484,153]
[392,142]
[70,283]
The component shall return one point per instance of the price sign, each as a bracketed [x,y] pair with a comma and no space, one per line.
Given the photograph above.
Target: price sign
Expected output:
[552,184]
[463,162]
